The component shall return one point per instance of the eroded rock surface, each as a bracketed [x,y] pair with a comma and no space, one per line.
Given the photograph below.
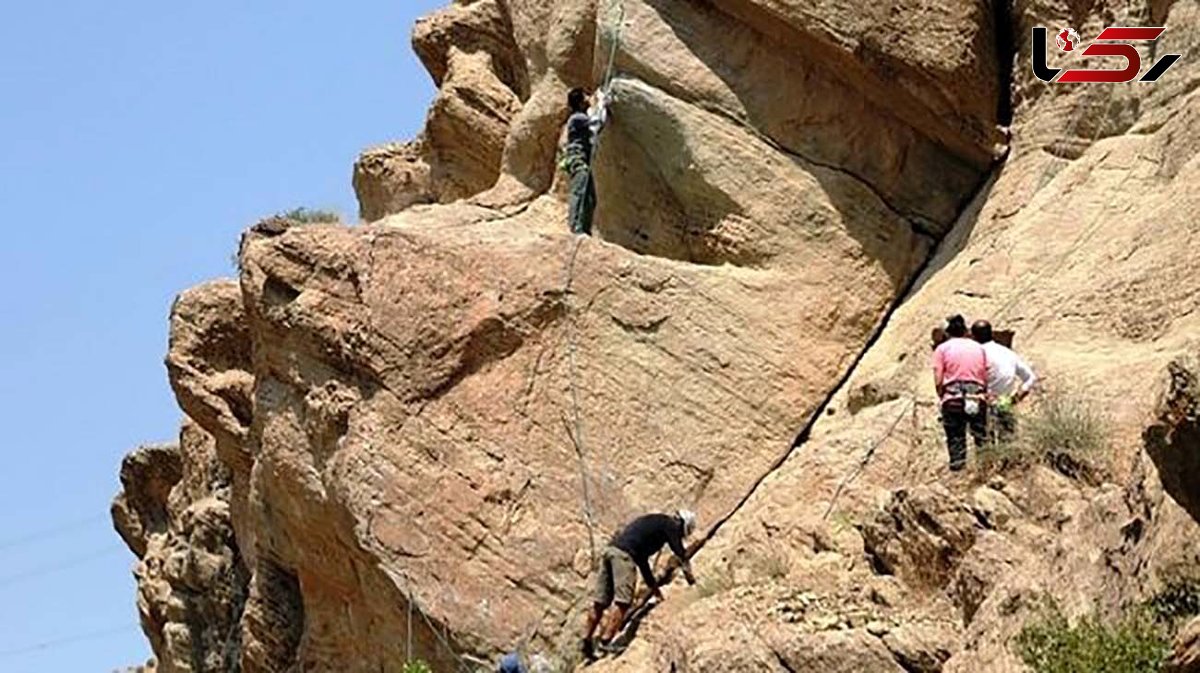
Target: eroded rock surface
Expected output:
[1185,656]
[174,515]
[425,425]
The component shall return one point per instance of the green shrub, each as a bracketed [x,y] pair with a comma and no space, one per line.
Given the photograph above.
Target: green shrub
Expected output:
[1051,644]
[311,216]
[416,666]
[1058,430]
[714,583]
[1178,601]
[1069,433]
[1002,455]
[772,565]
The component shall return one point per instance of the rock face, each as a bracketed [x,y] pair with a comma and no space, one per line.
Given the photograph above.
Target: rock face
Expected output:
[1185,657]
[174,514]
[406,439]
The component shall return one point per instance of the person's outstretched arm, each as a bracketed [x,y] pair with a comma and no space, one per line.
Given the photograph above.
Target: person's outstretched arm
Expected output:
[598,116]
[648,576]
[1028,378]
[677,548]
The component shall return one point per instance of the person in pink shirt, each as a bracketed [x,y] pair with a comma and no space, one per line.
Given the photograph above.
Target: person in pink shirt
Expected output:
[960,372]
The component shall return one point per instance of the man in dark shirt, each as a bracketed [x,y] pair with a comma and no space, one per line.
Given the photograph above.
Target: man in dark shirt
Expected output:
[583,126]
[633,548]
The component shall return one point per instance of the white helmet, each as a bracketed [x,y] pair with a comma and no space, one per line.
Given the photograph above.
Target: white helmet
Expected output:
[689,521]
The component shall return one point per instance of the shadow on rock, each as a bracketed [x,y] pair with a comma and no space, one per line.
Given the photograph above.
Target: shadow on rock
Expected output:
[1174,441]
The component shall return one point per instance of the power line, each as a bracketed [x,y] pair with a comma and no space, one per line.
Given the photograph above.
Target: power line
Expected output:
[66,640]
[65,565]
[53,531]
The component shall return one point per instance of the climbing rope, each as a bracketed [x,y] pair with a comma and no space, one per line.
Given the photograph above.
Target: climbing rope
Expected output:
[575,428]
[862,464]
[462,663]
[1084,235]
[617,30]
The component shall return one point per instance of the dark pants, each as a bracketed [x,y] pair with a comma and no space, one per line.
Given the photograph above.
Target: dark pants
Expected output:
[1004,424]
[583,197]
[956,422]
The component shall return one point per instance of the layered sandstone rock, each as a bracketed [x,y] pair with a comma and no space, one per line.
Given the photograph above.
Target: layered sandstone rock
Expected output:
[174,514]
[1185,656]
[482,78]
[1077,245]
[426,424]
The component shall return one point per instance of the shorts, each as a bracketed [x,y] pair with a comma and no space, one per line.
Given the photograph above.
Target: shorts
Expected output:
[616,578]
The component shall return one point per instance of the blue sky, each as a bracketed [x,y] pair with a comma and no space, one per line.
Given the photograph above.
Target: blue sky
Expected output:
[137,139]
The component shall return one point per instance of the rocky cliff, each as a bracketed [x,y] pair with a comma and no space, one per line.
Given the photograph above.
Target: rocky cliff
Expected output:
[406,438]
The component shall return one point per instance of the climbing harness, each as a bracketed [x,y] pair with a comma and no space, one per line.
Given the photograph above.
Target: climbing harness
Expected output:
[969,395]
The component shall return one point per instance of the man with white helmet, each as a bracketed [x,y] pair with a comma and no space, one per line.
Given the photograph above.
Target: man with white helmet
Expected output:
[633,548]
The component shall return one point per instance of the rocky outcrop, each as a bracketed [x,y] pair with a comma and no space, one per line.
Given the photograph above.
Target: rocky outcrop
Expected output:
[425,425]
[173,512]
[910,119]
[391,178]
[1185,656]
[1174,442]
[470,51]
[1104,279]
[400,364]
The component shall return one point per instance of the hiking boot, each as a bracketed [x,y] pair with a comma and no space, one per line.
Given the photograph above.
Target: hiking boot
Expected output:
[588,651]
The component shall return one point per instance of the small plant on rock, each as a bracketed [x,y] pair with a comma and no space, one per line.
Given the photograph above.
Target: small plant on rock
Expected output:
[1062,431]
[773,566]
[280,222]
[1002,455]
[1051,644]
[1068,433]
[310,216]
[714,584]
[416,666]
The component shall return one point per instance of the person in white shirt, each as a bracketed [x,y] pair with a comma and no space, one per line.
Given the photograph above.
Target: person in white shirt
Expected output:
[1010,379]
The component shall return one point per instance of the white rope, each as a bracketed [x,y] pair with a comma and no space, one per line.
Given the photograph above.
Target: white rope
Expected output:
[462,662]
[619,27]
[1088,231]
[575,429]
[862,464]
[606,83]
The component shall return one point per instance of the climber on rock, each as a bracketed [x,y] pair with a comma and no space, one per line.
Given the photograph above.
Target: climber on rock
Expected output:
[1010,380]
[583,127]
[960,374]
[633,547]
